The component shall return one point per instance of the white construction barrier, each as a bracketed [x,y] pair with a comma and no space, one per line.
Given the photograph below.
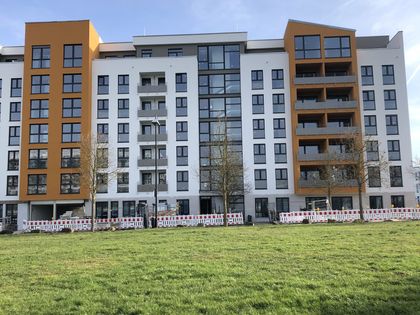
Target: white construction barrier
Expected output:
[195,220]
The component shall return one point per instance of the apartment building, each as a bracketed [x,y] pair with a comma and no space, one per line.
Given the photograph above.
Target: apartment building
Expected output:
[285,104]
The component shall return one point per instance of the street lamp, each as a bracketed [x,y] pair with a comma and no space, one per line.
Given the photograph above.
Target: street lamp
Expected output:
[156,123]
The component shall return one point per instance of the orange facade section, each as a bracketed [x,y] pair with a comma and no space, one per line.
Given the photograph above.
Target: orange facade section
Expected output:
[55,35]
[299,89]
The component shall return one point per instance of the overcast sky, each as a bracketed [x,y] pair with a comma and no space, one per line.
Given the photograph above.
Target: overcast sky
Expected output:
[119,20]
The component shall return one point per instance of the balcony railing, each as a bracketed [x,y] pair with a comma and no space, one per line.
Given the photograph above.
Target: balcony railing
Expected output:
[325,131]
[151,162]
[151,188]
[152,113]
[161,88]
[325,79]
[328,104]
[316,183]
[324,156]
[151,137]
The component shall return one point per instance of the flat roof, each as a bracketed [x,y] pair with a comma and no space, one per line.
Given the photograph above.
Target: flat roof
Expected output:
[176,39]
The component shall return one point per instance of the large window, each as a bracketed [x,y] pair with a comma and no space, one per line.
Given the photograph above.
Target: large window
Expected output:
[277,79]
[14,114]
[72,83]
[182,180]
[391,124]
[14,135]
[219,84]
[123,84]
[103,84]
[280,154]
[38,133]
[181,82]
[257,78]
[72,56]
[102,183]
[394,150]
[123,157]
[376,202]
[12,185]
[372,151]
[40,57]
[39,108]
[70,158]
[367,75]
[122,182]
[220,107]
[37,184]
[102,132]
[281,178]
[102,157]
[397,201]
[336,47]
[40,84]
[181,107]
[258,104]
[123,132]
[103,109]
[38,158]
[13,161]
[370,125]
[72,107]
[260,176]
[258,128]
[395,174]
[181,131]
[259,153]
[123,108]
[181,155]
[129,209]
[101,209]
[279,127]
[218,57]
[282,204]
[369,100]
[342,203]
[70,183]
[390,99]
[16,87]
[183,206]
[307,47]
[388,74]
[216,131]
[374,176]
[70,132]
[278,104]
[261,207]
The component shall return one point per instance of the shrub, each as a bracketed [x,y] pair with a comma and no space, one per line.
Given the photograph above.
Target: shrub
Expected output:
[305,221]
[66,230]
[35,231]
[331,221]
[6,232]
[358,221]
[200,225]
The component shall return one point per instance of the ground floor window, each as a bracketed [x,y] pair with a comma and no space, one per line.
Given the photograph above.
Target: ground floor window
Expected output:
[261,207]
[342,203]
[282,204]
[376,202]
[397,201]
[102,210]
[114,209]
[315,203]
[129,208]
[11,212]
[183,206]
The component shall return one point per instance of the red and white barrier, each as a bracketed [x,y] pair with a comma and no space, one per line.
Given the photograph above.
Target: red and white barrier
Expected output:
[195,220]
[371,215]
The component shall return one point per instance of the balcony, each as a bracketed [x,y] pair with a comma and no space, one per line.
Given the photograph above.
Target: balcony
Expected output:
[151,188]
[151,137]
[325,131]
[328,104]
[319,183]
[325,79]
[150,89]
[324,156]
[152,113]
[151,162]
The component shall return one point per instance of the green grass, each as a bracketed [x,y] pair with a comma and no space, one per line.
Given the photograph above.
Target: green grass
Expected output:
[320,269]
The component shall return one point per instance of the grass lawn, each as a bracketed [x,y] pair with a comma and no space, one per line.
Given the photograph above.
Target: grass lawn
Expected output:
[322,269]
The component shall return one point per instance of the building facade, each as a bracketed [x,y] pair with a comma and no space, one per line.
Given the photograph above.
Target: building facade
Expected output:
[284,104]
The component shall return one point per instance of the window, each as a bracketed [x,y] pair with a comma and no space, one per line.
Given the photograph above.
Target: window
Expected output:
[70,183]
[13,161]
[175,52]
[39,108]
[259,153]
[123,108]
[261,207]
[129,208]
[370,125]
[183,206]
[280,155]
[146,105]
[123,132]
[103,84]
[279,127]
[220,107]
[218,57]
[397,201]
[14,111]
[219,84]
[372,151]
[257,79]
[103,109]
[181,107]
[369,100]
[390,99]
[102,183]
[307,47]
[38,158]
[182,180]
[114,209]
[123,157]
[72,56]
[259,128]
[16,87]
[375,202]
[388,74]
[38,133]
[282,204]
[70,158]
[394,150]
[123,84]
[391,124]
[14,135]
[278,103]
[258,104]
[182,156]
[70,132]
[260,179]
[40,84]
[395,174]
[72,107]
[146,53]
[102,132]
[37,184]
[336,47]
[72,83]
[367,75]
[374,176]
[181,131]
[342,203]
[161,105]
[146,178]
[181,82]
[277,78]
[40,57]
[102,157]
[12,185]
[281,178]
[101,209]
[122,182]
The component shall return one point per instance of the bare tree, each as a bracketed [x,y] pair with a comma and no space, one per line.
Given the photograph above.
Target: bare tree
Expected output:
[95,171]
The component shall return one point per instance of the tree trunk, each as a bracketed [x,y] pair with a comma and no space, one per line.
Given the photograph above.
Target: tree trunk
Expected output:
[225,209]
[93,213]
[359,186]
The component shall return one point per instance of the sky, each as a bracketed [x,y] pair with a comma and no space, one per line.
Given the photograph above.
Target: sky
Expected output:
[119,20]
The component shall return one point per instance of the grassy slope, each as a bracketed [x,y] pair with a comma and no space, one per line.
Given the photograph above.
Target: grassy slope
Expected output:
[328,269]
